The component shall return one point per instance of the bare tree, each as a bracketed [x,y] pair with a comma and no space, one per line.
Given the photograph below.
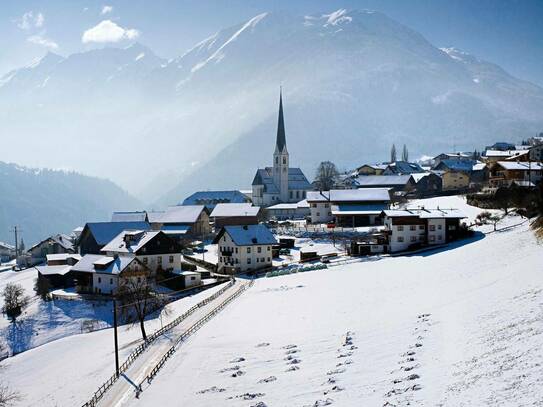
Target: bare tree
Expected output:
[405,154]
[15,300]
[138,300]
[327,175]
[393,154]
[7,396]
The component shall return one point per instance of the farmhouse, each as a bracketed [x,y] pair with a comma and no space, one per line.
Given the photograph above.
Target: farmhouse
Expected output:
[55,244]
[154,249]
[413,228]
[280,183]
[244,248]
[101,274]
[371,169]
[235,214]
[503,173]
[57,272]
[182,220]
[452,156]
[348,207]
[96,235]
[7,252]
[398,183]
[286,211]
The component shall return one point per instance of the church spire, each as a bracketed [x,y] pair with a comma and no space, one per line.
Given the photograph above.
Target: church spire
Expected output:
[281,143]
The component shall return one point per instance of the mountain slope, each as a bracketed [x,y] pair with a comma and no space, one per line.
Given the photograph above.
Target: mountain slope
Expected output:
[354,83]
[42,202]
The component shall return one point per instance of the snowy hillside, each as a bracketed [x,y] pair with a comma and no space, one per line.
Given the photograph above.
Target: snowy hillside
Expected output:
[454,326]
[357,75]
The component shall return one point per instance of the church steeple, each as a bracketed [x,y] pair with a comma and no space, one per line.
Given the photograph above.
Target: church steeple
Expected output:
[281,142]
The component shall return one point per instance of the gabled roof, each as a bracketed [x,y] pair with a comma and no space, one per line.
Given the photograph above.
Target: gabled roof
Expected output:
[97,263]
[299,205]
[520,165]
[103,232]
[296,180]
[155,216]
[504,153]
[375,166]
[234,209]
[52,270]
[382,180]
[182,214]
[350,195]
[358,209]
[63,240]
[7,246]
[464,165]
[212,198]
[247,235]
[62,257]
[404,167]
[423,213]
[136,216]
[136,240]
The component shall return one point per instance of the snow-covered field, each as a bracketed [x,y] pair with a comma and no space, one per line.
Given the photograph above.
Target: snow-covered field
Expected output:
[458,326]
[462,326]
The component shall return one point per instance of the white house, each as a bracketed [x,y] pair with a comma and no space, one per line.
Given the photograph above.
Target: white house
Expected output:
[280,183]
[191,278]
[348,207]
[286,211]
[101,274]
[154,249]
[414,228]
[244,248]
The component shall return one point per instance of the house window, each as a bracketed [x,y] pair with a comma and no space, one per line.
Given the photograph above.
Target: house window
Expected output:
[439,227]
[262,260]
[297,194]
[421,238]
[248,250]
[276,160]
[284,160]
[400,239]
[413,227]
[145,260]
[432,228]
[99,279]
[159,259]
[413,238]
[421,227]
[432,238]
[313,205]
[171,259]
[326,205]
[290,194]
[318,214]
[110,281]
[139,279]
[269,259]
[237,260]
[268,248]
[257,259]
[400,228]
[438,237]
[259,249]
[220,259]
[236,250]
[248,261]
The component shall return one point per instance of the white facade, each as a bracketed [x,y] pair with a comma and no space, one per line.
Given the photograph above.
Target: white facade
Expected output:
[191,278]
[430,231]
[104,283]
[170,261]
[321,212]
[243,258]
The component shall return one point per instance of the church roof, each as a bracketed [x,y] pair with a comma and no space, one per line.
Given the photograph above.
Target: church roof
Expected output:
[296,180]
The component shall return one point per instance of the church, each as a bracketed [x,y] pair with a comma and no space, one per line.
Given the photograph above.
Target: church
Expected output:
[280,183]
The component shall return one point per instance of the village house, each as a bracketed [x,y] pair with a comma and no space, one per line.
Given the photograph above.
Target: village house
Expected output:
[490,156]
[426,184]
[190,278]
[181,221]
[503,173]
[288,211]
[100,274]
[7,252]
[55,244]
[136,216]
[57,272]
[402,168]
[226,214]
[452,180]
[244,248]
[348,207]
[452,156]
[211,198]
[414,228]
[96,235]
[154,249]
[371,169]
[475,172]
[280,183]
[397,183]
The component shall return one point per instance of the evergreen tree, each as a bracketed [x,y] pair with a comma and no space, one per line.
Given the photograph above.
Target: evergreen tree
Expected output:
[21,246]
[393,154]
[405,154]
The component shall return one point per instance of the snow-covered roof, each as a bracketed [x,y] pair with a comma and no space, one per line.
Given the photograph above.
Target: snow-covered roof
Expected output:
[234,209]
[51,270]
[520,165]
[248,235]
[136,240]
[182,214]
[155,216]
[300,205]
[212,198]
[358,209]
[7,246]
[382,180]
[350,195]
[457,165]
[62,257]
[103,232]
[403,167]
[63,240]
[175,229]
[504,153]
[97,263]
[418,176]
[425,213]
[135,216]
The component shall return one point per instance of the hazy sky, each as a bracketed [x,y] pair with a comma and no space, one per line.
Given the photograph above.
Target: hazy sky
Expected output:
[509,33]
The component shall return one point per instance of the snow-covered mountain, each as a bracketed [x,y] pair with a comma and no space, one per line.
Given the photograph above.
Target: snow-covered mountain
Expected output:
[354,82]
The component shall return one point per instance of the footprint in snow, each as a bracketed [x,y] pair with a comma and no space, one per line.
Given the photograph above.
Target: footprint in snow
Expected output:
[247,396]
[333,390]
[237,373]
[237,360]
[259,404]
[292,368]
[344,363]
[213,389]
[336,371]
[290,346]
[292,351]
[322,403]
[268,379]
[229,369]
[263,345]
[293,361]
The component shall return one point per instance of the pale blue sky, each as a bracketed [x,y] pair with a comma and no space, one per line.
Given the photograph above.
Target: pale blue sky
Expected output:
[509,33]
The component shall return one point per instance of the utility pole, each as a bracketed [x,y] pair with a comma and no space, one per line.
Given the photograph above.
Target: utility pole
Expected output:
[16,231]
[115,337]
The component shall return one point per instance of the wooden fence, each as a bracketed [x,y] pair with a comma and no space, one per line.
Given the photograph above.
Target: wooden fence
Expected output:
[98,394]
